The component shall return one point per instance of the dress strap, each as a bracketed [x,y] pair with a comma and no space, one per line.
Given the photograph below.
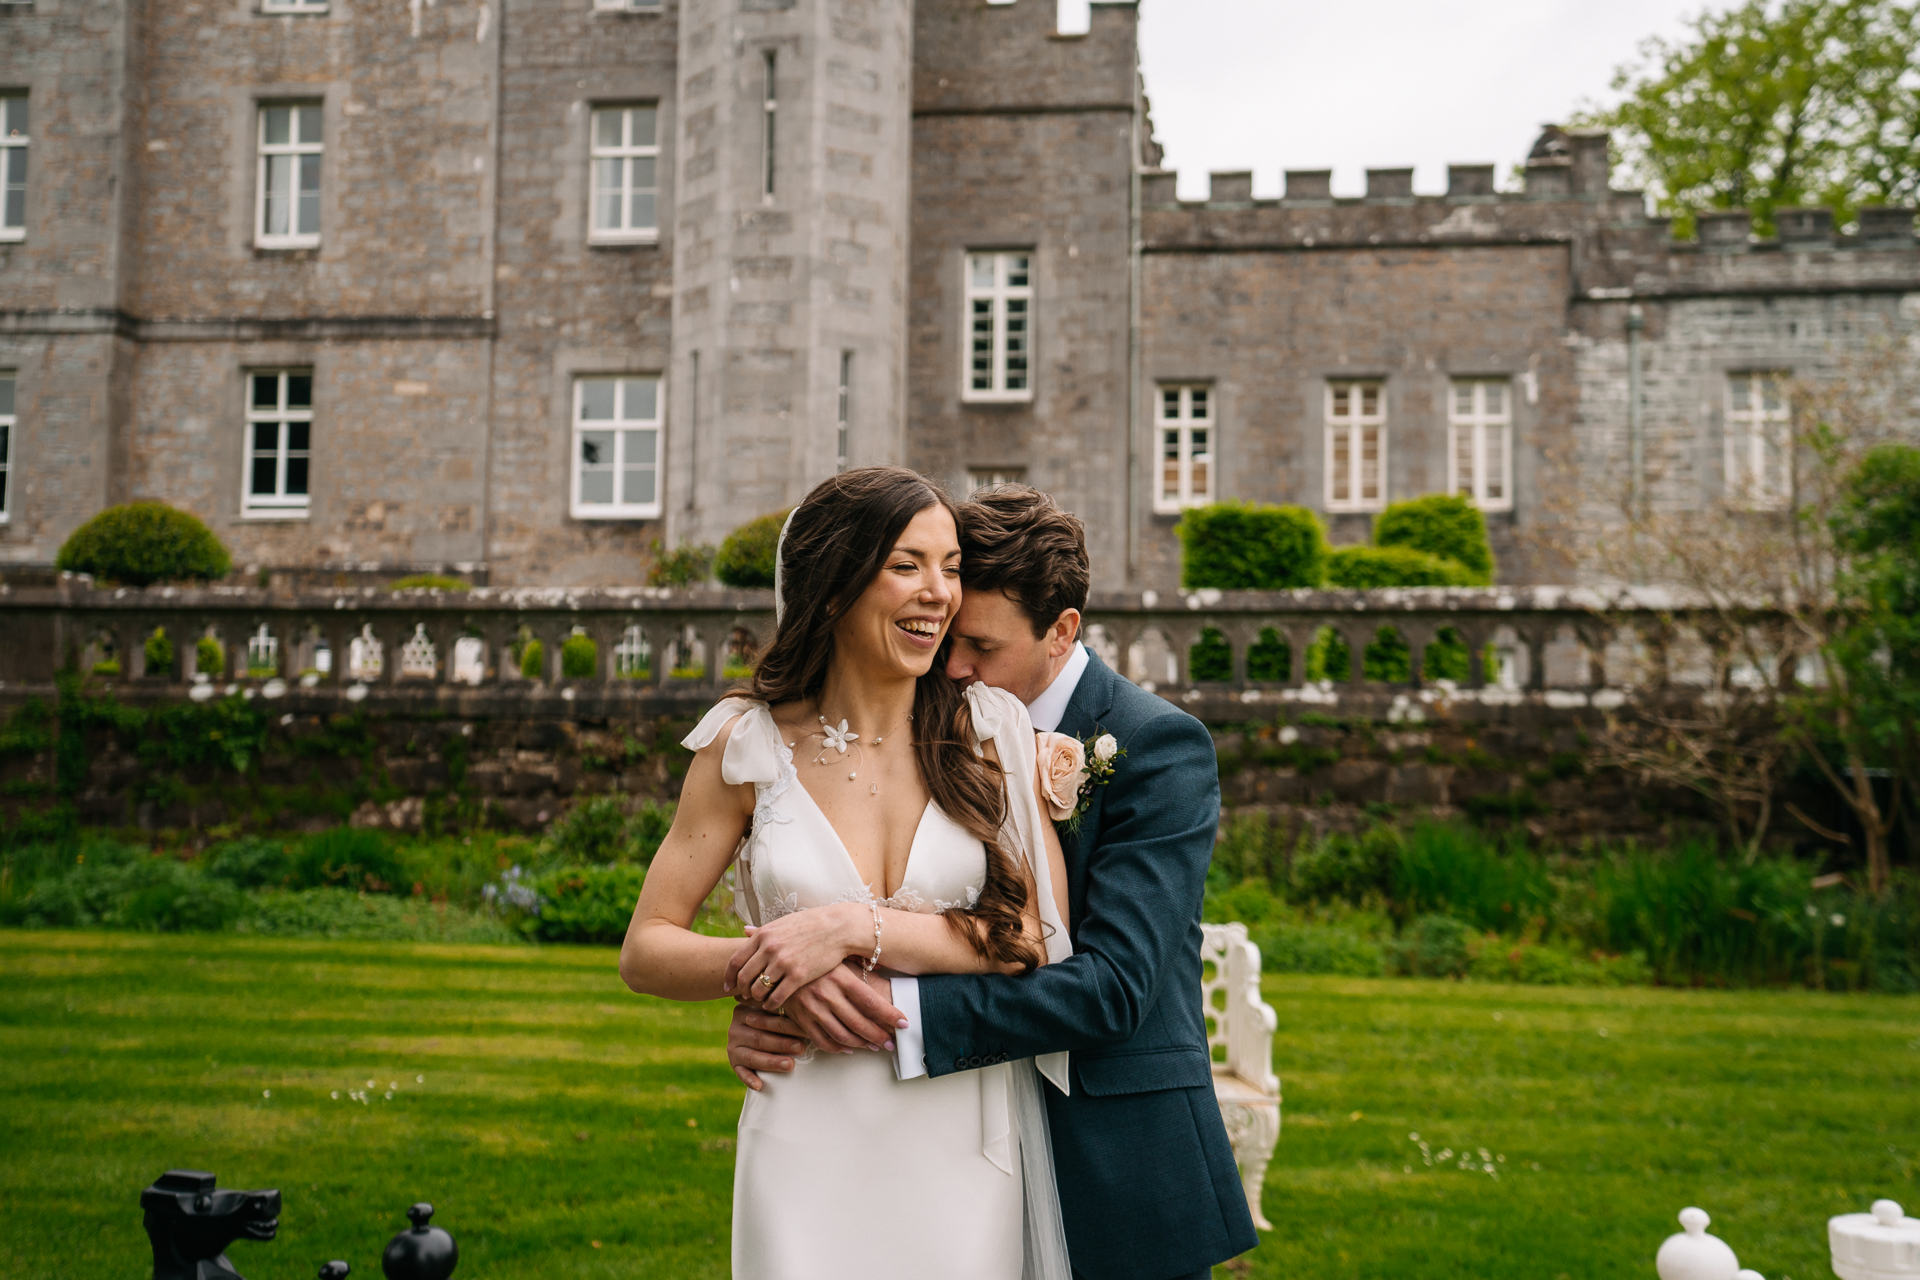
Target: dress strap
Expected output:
[753,749]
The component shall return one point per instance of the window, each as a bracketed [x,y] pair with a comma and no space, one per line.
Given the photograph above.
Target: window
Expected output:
[846,408]
[769,109]
[1757,473]
[293,6]
[626,184]
[289,201]
[13,167]
[627,6]
[1480,442]
[6,447]
[987,478]
[616,448]
[1186,448]
[999,326]
[1356,446]
[279,442]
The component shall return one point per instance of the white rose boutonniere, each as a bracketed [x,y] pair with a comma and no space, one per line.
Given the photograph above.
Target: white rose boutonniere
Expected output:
[1071,768]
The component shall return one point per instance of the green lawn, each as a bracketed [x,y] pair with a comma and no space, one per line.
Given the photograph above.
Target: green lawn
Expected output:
[556,1109]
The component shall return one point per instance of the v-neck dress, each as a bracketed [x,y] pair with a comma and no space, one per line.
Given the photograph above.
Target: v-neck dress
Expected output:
[842,1171]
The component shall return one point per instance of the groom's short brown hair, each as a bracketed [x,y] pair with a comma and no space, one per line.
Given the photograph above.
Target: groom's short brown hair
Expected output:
[1015,539]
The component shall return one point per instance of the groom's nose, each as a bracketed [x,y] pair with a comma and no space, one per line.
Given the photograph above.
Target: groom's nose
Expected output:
[958,668]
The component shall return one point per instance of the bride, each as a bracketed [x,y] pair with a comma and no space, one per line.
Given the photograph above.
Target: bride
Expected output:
[882,818]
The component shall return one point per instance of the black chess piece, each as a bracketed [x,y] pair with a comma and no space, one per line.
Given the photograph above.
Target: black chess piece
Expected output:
[423,1253]
[335,1270]
[190,1224]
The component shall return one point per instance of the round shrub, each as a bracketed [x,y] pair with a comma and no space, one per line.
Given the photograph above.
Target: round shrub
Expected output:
[746,557]
[1244,546]
[159,653]
[533,660]
[578,657]
[1440,524]
[142,543]
[209,659]
[1395,567]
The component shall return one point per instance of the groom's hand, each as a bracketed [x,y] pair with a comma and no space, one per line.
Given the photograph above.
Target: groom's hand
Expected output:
[760,1041]
[845,1010]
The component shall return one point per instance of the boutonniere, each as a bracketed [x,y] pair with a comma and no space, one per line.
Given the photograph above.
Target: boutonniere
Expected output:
[1069,771]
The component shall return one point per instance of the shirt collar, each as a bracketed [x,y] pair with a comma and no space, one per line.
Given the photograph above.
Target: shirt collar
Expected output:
[1047,710]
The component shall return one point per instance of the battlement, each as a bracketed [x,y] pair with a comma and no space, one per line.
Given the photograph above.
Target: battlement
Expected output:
[1565,198]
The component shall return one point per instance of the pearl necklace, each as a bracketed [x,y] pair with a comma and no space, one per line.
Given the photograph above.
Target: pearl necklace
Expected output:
[840,739]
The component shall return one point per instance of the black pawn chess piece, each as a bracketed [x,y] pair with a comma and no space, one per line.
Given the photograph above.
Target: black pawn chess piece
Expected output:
[190,1224]
[423,1253]
[335,1270]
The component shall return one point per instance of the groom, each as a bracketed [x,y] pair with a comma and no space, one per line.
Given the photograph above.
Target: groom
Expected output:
[1147,1179]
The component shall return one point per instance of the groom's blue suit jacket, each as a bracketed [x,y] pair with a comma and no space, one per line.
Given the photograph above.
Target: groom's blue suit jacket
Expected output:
[1147,1178]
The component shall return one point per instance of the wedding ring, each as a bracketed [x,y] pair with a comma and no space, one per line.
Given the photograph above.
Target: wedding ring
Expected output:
[766,978]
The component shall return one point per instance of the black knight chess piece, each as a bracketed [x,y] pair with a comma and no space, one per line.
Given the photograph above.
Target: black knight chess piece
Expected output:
[191,1224]
[423,1253]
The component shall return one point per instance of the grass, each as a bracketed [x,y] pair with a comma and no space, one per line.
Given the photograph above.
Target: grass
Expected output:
[555,1108]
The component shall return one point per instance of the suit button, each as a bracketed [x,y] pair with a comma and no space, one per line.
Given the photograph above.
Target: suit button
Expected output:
[959,1064]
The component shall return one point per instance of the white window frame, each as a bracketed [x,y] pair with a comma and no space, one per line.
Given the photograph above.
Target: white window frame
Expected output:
[9,441]
[15,149]
[979,478]
[1483,439]
[620,426]
[626,6]
[293,6]
[278,505]
[1192,406]
[267,152]
[1005,307]
[1355,427]
[627,154]
[843,428]
[1758,474]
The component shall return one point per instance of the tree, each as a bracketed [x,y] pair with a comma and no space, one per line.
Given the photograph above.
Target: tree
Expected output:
[1773,105]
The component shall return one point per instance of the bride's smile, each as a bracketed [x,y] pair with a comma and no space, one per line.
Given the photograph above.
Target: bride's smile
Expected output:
[898,623]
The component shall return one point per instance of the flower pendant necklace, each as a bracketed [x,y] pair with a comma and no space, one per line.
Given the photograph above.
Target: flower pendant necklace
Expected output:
[838,741]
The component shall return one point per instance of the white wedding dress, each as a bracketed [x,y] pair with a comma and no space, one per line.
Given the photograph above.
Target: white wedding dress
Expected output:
[843,1171]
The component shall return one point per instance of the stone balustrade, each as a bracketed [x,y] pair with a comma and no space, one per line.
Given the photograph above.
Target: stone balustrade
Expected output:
[671,651]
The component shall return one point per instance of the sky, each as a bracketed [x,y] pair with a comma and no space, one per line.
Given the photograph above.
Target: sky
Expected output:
[1270,85]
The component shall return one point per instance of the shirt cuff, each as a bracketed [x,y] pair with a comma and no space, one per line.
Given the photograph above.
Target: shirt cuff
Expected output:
[909,1046]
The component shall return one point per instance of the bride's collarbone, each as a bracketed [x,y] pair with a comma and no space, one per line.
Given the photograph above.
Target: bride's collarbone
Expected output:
[876,827]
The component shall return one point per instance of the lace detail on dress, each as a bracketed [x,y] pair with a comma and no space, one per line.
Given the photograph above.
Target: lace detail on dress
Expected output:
[905,900]
[973,900]
[778,907]
[767,794]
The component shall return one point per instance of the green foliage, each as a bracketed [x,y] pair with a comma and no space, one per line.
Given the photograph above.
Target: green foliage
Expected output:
[158,651]
[1441,524]
[1270,657]
[1433,946]
[1212,658]
[1247,546]
[1877,526]
[107,667]
[253,862]
[429,582]
[533,660]
[1327,657]
[586,904]
[142,543]
[1446,658]
[209,658]
[579,655]
[1765,106]
[684,566]
[29,730]
[230,732]
[1364,567]
[1387,659]
[151,893]
[348,858]
[746,556]
[345,914]
[600,830]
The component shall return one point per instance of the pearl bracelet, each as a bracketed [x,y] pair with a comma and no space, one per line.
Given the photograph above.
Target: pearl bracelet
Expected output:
[873,962]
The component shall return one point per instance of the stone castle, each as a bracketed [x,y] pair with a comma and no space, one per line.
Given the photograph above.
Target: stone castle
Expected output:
[520,287]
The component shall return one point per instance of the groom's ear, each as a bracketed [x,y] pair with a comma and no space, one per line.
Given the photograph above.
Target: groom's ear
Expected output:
[1064,632]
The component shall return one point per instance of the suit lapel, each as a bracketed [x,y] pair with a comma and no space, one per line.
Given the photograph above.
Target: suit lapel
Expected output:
[1092,699]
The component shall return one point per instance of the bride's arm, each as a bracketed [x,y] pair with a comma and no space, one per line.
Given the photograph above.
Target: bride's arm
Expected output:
[796,949]
[662,956]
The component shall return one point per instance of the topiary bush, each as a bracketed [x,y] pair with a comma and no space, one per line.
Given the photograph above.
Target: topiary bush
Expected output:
[533,660]
[1395,567]
[142,543]
[1243,546]
[746,557]
[683,566]
[1440,524]
[159,653]
[578,657]
[209,659]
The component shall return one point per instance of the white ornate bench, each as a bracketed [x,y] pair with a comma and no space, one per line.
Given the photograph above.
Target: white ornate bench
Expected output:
[1239,1021]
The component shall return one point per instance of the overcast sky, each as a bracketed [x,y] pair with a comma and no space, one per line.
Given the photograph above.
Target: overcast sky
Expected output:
[1269,85]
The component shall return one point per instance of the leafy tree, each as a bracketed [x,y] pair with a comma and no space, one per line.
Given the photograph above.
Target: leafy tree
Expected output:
[1773,105]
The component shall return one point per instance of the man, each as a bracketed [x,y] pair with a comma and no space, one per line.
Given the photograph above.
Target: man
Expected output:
[1147,1179]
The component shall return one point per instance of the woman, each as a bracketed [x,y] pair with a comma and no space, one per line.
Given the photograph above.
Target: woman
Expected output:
[880,816]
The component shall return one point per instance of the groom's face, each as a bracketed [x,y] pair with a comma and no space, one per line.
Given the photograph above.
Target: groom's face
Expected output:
[993,641]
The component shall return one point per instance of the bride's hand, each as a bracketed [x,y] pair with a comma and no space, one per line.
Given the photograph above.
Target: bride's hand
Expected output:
[780,957]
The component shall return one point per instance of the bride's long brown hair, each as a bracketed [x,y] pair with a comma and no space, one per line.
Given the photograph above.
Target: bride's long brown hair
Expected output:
[838,542]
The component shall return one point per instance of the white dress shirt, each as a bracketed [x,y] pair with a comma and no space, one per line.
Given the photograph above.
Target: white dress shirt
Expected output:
[1046,712]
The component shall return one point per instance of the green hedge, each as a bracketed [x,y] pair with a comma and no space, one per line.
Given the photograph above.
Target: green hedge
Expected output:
[578,657]
[1243,546]
[1395,567]
[142,543]
[1440,524]
[746,557]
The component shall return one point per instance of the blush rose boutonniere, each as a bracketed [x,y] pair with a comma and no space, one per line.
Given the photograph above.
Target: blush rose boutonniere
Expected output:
[1069,771]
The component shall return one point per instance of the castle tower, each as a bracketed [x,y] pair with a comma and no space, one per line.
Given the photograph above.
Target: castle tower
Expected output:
[790,278]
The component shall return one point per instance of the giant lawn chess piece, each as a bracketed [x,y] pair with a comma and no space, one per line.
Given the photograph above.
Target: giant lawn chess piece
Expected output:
[423,1253]
[191,1224]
